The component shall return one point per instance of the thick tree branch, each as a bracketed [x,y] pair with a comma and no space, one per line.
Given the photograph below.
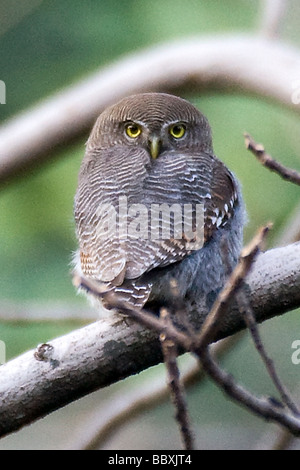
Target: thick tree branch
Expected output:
[227,63]
[106,351]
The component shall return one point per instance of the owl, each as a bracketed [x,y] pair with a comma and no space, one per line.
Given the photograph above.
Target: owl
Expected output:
[154,206]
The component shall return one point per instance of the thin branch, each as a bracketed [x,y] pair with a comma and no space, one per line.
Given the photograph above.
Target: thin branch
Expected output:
[211,324]
[169,350]
[277,438]
[226,63]
[267,408]
[265,159]
[236,284]
[245,308]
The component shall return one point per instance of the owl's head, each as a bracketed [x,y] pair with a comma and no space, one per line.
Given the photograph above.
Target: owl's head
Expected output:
[157,122]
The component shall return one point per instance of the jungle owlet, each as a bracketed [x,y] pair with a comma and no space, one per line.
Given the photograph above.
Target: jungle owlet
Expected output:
[153,203]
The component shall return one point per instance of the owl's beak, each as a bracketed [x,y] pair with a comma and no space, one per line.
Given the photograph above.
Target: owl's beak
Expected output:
[154,146]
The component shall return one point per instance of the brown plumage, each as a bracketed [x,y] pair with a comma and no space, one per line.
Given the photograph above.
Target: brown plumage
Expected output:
[146,151]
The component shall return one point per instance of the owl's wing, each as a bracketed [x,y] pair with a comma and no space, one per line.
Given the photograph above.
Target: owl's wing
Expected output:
[220,206]
[199,192]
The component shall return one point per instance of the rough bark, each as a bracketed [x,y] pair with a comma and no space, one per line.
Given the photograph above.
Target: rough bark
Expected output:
[111,349]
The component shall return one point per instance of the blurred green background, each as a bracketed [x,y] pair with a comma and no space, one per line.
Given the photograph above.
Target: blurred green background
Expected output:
[48,45]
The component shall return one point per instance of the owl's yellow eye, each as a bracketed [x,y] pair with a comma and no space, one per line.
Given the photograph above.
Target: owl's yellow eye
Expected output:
[177,131]
[133,130]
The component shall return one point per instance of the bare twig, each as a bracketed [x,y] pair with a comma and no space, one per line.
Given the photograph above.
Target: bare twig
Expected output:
[169,350]
[244,307]
[265,159]
[280,438]
[246,310]
[277,438]
[211,324]
[269,409]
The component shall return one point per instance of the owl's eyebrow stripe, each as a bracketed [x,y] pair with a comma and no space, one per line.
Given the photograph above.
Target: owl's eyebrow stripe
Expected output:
[133,121]
[177,121]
